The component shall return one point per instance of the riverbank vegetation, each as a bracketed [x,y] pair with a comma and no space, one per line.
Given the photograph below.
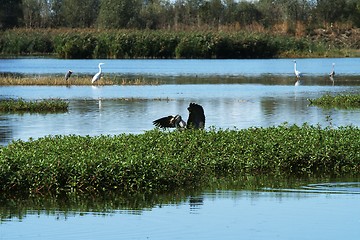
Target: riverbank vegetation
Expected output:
[180,28]
[91,43]
[74,80]
[43,106]
[159,160]
[338,101]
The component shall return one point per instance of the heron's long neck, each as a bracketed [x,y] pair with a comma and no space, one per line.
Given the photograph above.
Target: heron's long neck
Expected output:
[99,68]
[295,66]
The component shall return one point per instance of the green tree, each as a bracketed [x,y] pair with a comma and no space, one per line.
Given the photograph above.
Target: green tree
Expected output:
[119,13]
[330,11]
[80,13]
[354,12]
[31,11]
[154,14]
[212,12]
[10,13]
[247,13]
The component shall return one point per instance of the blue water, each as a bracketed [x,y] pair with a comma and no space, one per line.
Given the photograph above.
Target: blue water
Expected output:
[314,211]
[211,215]
[181,67]
[131,109]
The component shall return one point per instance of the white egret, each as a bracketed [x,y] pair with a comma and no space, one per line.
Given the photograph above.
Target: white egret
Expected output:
[68,74]
[98,75]
[196,119]
[298,74]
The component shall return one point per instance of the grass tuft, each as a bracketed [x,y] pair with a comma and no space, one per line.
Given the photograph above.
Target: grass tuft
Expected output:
[42,106]
[339,101]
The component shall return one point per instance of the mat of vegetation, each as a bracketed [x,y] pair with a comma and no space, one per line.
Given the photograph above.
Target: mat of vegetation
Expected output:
[338,101]
[91,43]
[159,160]
[43,106]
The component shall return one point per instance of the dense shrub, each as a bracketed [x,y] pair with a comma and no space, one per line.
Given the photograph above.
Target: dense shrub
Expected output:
[90,43]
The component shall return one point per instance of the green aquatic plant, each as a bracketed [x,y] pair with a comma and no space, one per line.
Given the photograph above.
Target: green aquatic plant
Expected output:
[160,160]
[338,101]
[43,106]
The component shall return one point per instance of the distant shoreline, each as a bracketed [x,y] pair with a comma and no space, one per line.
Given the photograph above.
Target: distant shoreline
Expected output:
[168,44]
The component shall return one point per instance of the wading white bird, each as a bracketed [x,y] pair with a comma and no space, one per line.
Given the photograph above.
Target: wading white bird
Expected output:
[196,119]
[332,74]
[98,75]
[68,74]
[298,75]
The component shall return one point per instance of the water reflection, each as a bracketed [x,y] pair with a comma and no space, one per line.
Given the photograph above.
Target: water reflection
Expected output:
[252,206]
[131,109]
[66,205]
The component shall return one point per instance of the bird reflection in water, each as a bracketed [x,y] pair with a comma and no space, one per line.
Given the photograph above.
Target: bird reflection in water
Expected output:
[195,203]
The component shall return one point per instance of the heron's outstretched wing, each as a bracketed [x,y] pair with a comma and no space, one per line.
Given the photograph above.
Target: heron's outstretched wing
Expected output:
[196,118]
[165,122]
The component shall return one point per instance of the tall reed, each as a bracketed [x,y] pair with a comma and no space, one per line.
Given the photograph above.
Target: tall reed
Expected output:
[91,43]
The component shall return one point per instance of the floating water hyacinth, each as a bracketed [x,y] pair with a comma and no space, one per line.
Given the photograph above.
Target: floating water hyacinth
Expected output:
[160,160]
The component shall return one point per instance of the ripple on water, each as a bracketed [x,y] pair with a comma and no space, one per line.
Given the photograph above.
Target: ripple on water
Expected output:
[329,188]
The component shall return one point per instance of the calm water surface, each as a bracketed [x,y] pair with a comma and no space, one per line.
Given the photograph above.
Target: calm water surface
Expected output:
[179,67]
[131,109]
[220,214]
[313,210]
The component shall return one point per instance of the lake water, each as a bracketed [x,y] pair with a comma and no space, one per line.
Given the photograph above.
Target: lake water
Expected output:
[235,94]
[312,211]
[182,67]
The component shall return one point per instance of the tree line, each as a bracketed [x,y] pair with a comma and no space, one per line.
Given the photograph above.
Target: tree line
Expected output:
[177,14]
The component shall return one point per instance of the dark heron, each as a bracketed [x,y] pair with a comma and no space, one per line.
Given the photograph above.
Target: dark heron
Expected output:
[68,75]
[332,74]
[196,119]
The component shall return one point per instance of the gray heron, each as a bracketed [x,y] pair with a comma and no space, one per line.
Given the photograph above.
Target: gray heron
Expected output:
[68,75]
